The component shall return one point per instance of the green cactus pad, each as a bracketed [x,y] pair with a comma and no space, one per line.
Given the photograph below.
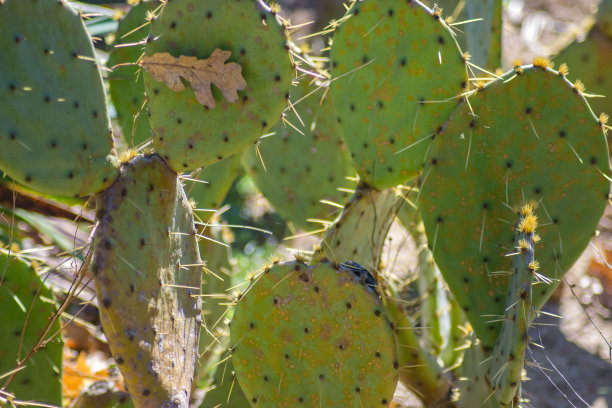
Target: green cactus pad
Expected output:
[25,309]
[313,336]
[148,279]
[126,83]
[303,168]
[589,61]
[360,230]
[54,127]
[604,18]
[484,35]
[396,75]
[189,135]
[215,182]
[531,137]
[225,392]
[508,357]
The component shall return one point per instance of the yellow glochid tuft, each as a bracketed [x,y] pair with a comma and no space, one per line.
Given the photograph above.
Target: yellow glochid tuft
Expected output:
[579,86]
[533,266]
[528,224]
[603,118]
[528,208]
[542,62]
[563,69]
[523,246]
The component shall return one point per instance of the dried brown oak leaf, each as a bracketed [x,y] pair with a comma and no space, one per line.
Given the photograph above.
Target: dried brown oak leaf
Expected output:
[199,73]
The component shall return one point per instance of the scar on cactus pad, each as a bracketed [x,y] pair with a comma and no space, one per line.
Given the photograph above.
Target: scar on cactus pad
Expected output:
[199,73]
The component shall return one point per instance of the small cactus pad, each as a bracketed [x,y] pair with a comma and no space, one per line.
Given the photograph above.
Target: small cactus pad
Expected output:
[305,165]
[508,357]
[313,336]
[54,127]
[148,278]
[397,72]
[25,309]
[527,136]
[187,134]
[126,83]
[214,184]
[225,392]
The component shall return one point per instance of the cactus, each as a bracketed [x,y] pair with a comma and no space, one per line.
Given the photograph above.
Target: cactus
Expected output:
[188,135]
[590,58]
[126,84]
[393,86]
[542,144]
[213,184]
[54,126]
[306,160]
[330,332]
[26,306]
[484,36]
[313,332]
[146,261]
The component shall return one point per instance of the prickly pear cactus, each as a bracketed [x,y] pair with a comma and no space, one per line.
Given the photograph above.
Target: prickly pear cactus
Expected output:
[312,336]
[126,84]
[528,136]
[26,306]
[394,86]
[54,128]
[146,263]
[189,135]
[305,165]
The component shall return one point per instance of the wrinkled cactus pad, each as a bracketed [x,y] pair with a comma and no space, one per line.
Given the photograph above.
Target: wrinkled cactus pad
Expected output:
[187,134]
[148,271]
[313,336]
[525,137]
[54,127]
[396,74]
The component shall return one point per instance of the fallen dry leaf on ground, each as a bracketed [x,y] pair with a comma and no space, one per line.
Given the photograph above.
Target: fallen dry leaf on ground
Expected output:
[199,73]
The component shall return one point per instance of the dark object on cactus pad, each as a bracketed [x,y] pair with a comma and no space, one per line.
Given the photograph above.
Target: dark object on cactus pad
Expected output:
[187,134]
[529,136]
[54,127]
[148,274]
[313,336]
